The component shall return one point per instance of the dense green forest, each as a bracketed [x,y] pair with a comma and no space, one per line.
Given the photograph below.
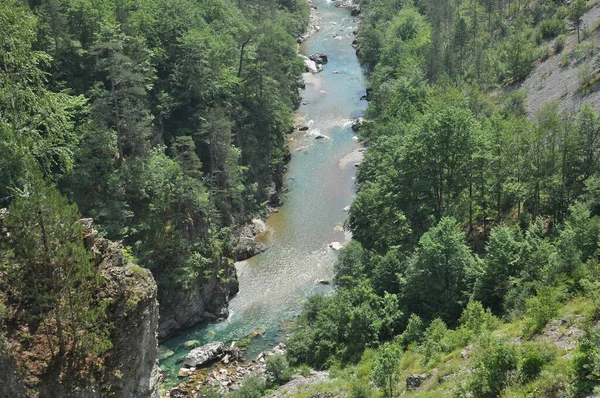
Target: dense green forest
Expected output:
[470,213]
[164,121]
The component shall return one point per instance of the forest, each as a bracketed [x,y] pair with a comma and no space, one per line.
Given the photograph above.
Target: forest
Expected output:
[476,222]
[164,121]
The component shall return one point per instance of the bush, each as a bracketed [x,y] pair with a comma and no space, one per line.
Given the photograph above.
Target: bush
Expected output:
[360,389]
[304,370]
[550,28]
[585,75]
[413,333]
[559,44]
[253,387]
[277,370]
[587,360]
[540,310]
[533,359]
[434,341]
[495,364]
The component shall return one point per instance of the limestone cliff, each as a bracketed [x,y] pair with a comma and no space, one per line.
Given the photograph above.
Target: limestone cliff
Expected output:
[206,300]
[130,367]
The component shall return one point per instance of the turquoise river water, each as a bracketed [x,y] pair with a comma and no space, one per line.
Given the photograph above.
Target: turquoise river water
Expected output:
[320,179]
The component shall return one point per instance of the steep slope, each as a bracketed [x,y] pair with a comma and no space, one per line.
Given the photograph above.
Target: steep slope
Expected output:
[129,368]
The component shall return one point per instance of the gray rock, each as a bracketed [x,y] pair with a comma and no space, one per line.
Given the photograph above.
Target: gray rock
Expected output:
[414,381]
[205,354]
[357,124]
[319,58]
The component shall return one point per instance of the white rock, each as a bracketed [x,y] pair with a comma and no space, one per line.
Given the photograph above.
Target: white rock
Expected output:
[336,246]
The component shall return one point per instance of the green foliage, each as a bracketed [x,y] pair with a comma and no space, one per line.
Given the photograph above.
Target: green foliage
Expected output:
[550,28]
[439,274]
[414,331]
[253,387]
[277,370]
[434,341]
[540,309]
[587,360]
[533,358]
[494,367]
[52,277]
[343,325]
[385,374]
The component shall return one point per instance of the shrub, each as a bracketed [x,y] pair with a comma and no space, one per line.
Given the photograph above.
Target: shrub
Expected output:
[434,341]
[385,374]
[587,360]
[585,75]
[277,370]
[414,331]
[533,359]
[540,309]
[304,370]
[559,44]
[360,389]
[550,28]
[495,364]
[253,387]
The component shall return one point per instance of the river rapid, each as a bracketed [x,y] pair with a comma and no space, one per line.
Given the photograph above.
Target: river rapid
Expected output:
[320,179]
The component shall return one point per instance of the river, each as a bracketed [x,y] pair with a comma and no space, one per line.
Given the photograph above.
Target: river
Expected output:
[320,179]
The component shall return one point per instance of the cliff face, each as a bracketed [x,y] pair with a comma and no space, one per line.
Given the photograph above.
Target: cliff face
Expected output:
[131,364]
[207,300]
[130,367]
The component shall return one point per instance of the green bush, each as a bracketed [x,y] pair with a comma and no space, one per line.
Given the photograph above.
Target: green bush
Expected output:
[587,361]
[550,28]
[434,341]
[559,44]
[360,389]
[254,386]
[540,310]
[304,370]
[278,370]
[533,358]
[413,333]
[495,364]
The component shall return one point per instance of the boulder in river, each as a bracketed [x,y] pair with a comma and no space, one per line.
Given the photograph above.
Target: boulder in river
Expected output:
[311,66]
[319,58]
[247,248]
[358,123]
[336,246]
[204,355]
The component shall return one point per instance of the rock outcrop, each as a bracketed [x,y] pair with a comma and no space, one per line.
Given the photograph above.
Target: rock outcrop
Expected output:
[206,300]
[203,355]
[130,367]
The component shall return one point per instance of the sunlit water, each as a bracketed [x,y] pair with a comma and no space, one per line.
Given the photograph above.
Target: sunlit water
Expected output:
[320,179]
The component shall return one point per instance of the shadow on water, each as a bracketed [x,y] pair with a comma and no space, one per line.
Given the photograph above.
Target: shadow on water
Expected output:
[274,285]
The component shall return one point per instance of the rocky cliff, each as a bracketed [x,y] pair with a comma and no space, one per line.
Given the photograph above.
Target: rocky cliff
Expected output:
[206,300]
[130,367]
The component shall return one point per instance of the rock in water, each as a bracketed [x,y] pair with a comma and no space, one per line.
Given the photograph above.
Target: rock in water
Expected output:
[203,355]
[319,58]
[164,353]
[357,124]
[336,246]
